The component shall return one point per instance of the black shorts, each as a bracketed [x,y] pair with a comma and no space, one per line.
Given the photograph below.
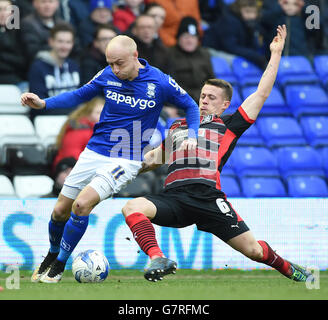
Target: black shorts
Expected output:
[197,204]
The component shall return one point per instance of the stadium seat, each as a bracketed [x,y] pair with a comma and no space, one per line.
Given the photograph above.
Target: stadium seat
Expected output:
[306,100]
[32,186]
[299,161]
[230,186]
[303,186]
[254,161]
[222,70]
[6,188]
[10,100]
[262,187]
[16,131]
[315,130]
[227,169]
[235,103]
[321,67]
[251,137]
[48,127]
[246,72]
[295,69]
[281,131]
[274,105]
[324,159]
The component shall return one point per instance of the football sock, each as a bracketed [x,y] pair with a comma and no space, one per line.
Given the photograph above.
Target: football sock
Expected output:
[73,232]
[273,260]
[144,234]
[55,229]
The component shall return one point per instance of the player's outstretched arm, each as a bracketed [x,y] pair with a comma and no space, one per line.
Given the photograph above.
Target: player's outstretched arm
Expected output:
[253,104]
[32,100]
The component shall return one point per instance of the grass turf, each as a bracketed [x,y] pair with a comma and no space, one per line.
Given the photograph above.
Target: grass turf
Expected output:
[185,285]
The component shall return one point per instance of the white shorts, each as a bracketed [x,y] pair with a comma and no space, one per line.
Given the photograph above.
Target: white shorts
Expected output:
[104,174]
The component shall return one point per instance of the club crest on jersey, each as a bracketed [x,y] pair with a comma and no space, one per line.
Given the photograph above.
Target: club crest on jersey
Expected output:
[151,87]
[206,119]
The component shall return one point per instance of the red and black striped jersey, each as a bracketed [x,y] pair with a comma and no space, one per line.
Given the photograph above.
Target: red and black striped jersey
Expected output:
[217,137]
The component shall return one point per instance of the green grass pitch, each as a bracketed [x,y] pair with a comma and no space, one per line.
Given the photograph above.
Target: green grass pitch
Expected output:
[184,285]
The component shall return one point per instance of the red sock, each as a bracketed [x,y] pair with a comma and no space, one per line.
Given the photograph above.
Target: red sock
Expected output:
[273,260]
[144,234]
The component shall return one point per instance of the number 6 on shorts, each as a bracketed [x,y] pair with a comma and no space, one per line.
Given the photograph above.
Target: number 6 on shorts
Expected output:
[223,206]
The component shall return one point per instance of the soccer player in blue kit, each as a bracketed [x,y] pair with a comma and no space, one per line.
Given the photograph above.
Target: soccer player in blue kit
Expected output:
[135,93]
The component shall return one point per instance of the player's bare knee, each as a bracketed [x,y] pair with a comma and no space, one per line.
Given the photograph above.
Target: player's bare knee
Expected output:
[82,207]
[134,205]
[61,212]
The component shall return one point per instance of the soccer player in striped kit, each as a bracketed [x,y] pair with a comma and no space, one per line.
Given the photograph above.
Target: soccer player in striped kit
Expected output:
[192,193]
[135,93]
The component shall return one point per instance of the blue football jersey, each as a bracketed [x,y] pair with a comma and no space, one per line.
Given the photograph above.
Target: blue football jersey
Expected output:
[131,109]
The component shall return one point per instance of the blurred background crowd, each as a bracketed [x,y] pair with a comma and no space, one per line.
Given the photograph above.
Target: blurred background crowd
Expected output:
[60,45]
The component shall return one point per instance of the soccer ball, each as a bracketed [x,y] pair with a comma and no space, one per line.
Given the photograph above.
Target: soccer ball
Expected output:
[90,266]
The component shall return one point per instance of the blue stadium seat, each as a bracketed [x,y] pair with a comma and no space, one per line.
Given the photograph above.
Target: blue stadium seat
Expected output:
[321,68]
[230,186]
[236,101]
[228,170]
[306,100]
[246,72]
[281,131]
[294,161]
[263,187]
[324,158]
[274,105]
[254,161]
[222,70]
[296,69]
[304,186]
[251,137]
[315,130]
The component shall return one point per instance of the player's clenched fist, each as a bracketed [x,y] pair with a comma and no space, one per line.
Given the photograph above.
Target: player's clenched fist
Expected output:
[32,100]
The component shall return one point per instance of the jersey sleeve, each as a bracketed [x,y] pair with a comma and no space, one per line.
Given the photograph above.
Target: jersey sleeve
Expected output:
[181,99]
[238,122]
[75,97]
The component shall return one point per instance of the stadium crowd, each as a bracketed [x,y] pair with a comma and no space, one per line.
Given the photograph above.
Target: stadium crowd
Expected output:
[60,46]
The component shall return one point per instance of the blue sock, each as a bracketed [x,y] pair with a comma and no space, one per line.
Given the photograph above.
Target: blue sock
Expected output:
[55,229]
[73,232]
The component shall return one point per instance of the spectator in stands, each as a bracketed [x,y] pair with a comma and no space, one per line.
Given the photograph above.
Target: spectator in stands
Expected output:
[301,40]
[79,11]
[191,64]
[238,31]
[93,59]
[125,14]
[35,28]
[149,46]
[100,13]
[52,72]
[12,60]
[62,170]
[175,11]
[156,11]
[77,130]
[210,10]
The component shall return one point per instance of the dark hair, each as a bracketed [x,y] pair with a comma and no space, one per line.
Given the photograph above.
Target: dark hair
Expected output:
[238,4]
[224,85]
[106,26]
[62,27]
